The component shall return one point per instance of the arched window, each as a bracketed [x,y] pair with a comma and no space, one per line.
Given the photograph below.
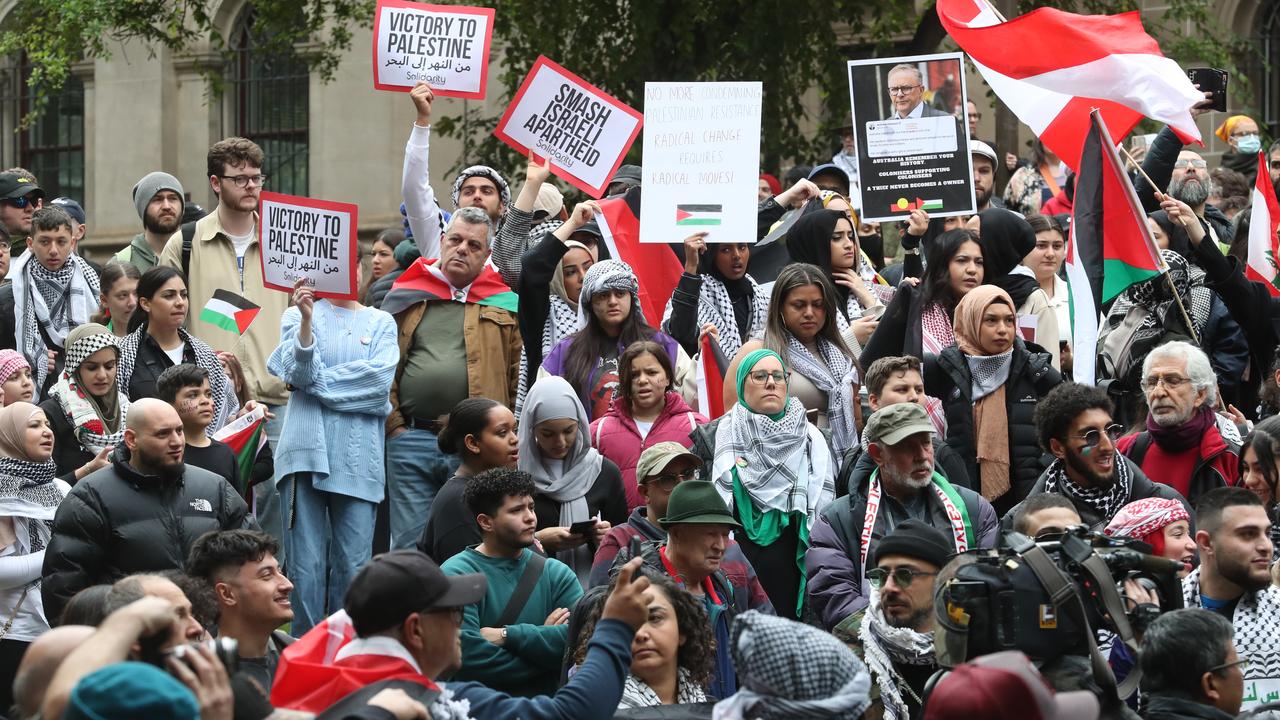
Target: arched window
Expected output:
[52,146]
[1266,67]
[269,101]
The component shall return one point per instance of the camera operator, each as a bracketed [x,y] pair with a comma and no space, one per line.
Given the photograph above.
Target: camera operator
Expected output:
[1234,581]
[117,640]
[1190,669]
[1075,425]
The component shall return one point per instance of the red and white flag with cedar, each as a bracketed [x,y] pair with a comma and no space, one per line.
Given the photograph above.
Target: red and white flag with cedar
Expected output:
[1264,219]
[1108,62]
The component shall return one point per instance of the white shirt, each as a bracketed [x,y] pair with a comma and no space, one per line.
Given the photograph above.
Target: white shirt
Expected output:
[916,112]
[242,242]
[644,428]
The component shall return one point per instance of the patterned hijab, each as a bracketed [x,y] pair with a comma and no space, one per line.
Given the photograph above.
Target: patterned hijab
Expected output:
[988,376]
[791,670]
[604,276]
[98,421]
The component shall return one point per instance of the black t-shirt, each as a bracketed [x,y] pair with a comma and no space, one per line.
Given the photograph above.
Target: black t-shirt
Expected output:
[217,458]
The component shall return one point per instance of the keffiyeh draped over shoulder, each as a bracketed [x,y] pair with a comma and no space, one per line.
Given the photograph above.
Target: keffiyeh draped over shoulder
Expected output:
[28,491]
[794,671]
[98,421]
[225,402]
[55,300]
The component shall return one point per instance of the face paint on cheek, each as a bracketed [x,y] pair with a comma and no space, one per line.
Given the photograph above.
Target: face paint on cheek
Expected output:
[1087,451]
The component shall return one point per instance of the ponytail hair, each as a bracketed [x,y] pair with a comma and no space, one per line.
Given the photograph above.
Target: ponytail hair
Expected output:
[469,417]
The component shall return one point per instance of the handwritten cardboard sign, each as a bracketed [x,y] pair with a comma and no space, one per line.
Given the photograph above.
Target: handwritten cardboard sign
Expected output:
[316,239]
[560,116]
[445,46]
[701,161]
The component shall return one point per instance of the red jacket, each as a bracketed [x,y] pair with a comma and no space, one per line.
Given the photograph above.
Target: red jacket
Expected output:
[1196,470]
[616,437]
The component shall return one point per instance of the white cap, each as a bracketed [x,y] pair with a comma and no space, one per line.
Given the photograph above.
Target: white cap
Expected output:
[977,147]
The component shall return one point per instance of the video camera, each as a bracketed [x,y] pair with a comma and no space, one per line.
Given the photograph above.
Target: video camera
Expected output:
[1047,598]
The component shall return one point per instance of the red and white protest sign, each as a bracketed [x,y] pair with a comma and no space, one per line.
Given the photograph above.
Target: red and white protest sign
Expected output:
[560,116]
[445,46]
[301,237]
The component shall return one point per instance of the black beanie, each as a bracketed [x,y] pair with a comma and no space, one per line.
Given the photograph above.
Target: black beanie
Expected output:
[915,539]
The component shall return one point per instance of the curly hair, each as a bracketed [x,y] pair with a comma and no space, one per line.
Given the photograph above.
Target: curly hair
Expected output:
[484,493]
[233,151]
[698,653]
[1055,412]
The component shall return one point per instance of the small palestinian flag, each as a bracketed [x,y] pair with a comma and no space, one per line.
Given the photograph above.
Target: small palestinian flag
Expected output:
[229,311]
[688,215]
[246,435]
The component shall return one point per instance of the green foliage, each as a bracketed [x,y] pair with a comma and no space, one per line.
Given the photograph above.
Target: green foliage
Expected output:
[56,34]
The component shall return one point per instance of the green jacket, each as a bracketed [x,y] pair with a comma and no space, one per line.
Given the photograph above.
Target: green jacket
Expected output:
[528,662]
[139,253]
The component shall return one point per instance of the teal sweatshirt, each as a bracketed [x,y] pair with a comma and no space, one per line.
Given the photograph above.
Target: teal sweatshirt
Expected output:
[528,663]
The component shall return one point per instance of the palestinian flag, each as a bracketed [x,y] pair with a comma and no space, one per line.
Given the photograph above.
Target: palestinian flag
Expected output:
[1263,222]
[710,377]
[658,272]
[694,215]
[423,281]
[229,311]
[904,204]
[246,436]
[1111,246]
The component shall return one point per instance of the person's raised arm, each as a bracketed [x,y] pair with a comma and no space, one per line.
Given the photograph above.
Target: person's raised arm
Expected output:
[682,319]
[772,209]
[1159,160]
[512,240]
[420,204]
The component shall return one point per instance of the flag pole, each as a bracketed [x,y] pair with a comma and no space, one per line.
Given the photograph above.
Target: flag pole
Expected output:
[991,6]
[1138,165]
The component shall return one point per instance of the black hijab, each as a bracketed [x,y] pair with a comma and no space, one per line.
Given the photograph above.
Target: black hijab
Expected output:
[809,241]
[740,288]
[1179,241]
[1006,239]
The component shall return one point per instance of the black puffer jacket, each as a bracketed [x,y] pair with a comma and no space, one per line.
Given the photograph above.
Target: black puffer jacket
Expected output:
[117,521]
[1031,377]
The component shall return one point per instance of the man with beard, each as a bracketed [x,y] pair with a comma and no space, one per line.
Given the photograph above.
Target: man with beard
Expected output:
[158,198]
[1191,184]
[1234,580]
[1075,426]
[897,629]
[20,197]
[512,641]
[1182,444]
[984,174]
[139,514]
[904,486]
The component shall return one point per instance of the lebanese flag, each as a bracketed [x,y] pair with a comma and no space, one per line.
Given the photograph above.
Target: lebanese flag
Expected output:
[657,270]
[710,377]
[1108,62]
[1263,222]
[310,677]
[1111,245]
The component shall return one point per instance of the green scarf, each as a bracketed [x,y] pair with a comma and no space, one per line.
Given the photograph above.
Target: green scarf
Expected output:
[744,371]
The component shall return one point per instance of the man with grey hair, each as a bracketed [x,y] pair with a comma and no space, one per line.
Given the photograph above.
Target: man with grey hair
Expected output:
[458,339]
[1190,183]
[1190,668]
[1183,444]
[906,93]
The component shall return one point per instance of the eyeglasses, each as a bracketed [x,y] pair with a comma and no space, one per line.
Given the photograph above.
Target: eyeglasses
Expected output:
[902,577]
[242,181]
[1242,663]
[760,377]
[667,481]
[1093,436]
[22,202]
[1183,164]
[902,89]
[1171,382]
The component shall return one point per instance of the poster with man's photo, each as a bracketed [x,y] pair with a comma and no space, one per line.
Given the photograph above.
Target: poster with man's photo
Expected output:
[913,150]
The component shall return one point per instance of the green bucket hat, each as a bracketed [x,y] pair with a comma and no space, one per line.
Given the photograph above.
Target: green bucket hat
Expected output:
[696,501]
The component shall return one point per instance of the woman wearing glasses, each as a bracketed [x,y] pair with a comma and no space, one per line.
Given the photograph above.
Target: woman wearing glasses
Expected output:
[646,410]
[989,384]
[773,468]
[801,329]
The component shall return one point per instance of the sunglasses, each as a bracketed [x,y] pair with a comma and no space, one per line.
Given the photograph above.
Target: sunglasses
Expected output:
[21,202]
[1092,437]
[902,577]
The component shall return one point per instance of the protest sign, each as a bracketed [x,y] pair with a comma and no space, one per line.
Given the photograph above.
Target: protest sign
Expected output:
[701,161]
[445,46]
[316,239]
[560,116]
[913,149]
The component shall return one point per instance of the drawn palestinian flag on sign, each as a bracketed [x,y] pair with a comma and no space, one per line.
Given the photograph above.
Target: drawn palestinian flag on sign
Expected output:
[229,311]
[689,215]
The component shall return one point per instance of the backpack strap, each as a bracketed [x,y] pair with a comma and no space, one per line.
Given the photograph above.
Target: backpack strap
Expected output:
[528,580]
[1138,451]
[188,237]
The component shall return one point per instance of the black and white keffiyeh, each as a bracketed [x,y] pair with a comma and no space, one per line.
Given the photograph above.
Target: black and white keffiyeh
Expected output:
[608,275]
[53,301]
[1152,301]
[28,490]
[1107,501]
[637,694]
[834,374]
[791,670]
[782,464]
[884,645]
[225,402]
[97,423]
[988,372]
[1257,630]
[716,307]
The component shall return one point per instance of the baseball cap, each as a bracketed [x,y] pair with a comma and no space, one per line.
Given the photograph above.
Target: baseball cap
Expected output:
[1004,686]
[629,174]
[13,185]
[977,147]
[550,202]
[892,424]
[656,459]
[396,584]
[72,207]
